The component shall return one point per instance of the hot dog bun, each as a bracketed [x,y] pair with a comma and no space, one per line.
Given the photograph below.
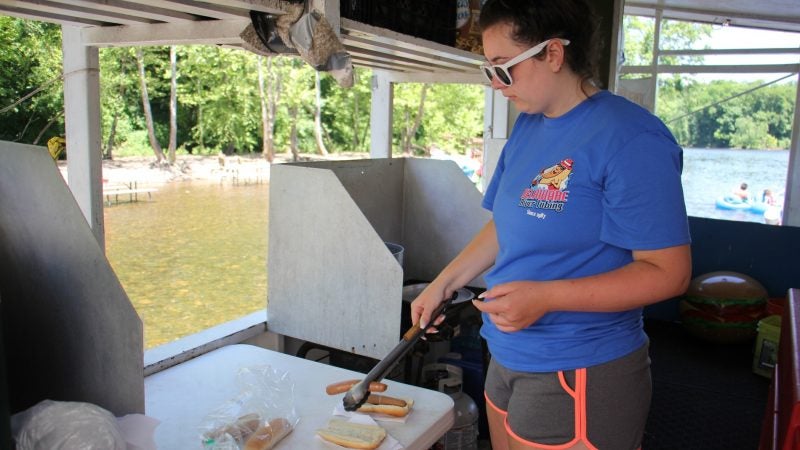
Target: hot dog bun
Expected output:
[267,436]
[238,431]
[353,435]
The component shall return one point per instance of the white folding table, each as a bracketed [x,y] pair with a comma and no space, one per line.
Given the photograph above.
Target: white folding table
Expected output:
[181,396]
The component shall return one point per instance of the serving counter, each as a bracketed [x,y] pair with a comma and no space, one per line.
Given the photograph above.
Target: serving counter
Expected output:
[180,398]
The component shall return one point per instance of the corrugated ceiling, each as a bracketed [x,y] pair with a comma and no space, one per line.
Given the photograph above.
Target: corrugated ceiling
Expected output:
[152,22]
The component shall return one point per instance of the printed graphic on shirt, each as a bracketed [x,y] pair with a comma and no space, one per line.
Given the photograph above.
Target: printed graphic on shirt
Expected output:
[548,191]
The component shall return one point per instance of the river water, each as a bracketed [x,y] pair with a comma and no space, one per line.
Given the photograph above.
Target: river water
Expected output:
[192,257]
[195,255]
[712,173]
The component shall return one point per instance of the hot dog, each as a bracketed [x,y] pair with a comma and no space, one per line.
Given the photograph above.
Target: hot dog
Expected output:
[386,400]
[388,409]
[344,386]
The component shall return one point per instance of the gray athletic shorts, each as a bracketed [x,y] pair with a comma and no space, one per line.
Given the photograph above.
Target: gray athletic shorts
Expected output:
[603,406]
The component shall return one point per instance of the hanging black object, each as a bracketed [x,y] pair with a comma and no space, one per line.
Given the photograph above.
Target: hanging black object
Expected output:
[267,32]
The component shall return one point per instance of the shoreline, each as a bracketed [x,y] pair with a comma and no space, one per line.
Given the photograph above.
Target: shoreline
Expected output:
[141,170]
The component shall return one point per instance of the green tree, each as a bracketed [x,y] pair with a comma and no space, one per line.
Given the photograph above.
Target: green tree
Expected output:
[118,95]
[639,35]
[31,95]
[454,117]
[346,112]
[230,103]
[451,118]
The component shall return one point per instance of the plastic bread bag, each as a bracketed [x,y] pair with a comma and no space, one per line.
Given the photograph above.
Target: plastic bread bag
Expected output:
[50,425]
[262,412]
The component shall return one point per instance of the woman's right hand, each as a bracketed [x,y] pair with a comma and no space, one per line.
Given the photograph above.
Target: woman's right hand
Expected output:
[476,257]
[426,302]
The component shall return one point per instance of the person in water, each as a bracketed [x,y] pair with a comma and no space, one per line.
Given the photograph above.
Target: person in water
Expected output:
[767,197]
[741,193]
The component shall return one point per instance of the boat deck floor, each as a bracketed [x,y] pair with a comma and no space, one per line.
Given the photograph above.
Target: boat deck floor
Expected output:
[705,395]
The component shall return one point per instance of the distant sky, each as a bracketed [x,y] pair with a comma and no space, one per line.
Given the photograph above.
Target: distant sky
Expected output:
[736,37]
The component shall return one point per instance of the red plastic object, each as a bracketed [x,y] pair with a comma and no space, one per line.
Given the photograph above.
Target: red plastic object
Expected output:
[781,427]
[775,305]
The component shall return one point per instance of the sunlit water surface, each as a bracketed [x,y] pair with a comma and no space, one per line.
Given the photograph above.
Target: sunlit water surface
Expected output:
[192,257]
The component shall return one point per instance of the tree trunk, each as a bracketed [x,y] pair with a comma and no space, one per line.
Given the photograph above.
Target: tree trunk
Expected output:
[273,97]
[318,117]
[355,142]
[199,126]
[173,104]
[267,145]
[405,140]
[112,133]
[412,131]
[293,134]
[21,133]
[47,127]
[148,114]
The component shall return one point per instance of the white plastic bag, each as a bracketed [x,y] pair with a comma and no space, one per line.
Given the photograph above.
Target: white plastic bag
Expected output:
[52,425]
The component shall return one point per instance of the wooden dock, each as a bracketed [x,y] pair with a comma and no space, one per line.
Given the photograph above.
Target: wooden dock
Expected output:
[125,192]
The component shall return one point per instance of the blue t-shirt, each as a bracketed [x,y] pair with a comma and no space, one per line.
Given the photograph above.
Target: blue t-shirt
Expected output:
[571,197]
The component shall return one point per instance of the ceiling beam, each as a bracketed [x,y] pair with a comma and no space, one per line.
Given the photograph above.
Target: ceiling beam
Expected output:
[203,9]
[719,15]
[707,68]
[55,8]
[59,19]
[267,6]
[204,32]
[129,7]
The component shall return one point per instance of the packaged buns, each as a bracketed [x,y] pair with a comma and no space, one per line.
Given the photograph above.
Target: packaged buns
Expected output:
[239,430]
[268,435]
[353,435]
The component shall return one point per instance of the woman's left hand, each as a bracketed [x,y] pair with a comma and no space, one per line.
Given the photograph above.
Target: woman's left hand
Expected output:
[513,306]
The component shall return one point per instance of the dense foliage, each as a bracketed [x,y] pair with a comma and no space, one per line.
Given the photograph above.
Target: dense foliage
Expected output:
[716,114]
[30,59]
[220,105]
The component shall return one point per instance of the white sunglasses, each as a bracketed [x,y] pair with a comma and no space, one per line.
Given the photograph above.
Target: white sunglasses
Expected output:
[501,72]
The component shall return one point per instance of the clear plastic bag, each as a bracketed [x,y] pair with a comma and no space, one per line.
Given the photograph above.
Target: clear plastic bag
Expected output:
[264,404]
[52,425]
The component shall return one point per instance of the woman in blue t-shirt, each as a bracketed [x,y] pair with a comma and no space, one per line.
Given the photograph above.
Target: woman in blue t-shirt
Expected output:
[588,226]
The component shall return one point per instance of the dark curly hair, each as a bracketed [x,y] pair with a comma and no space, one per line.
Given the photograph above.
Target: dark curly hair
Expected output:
[533,21]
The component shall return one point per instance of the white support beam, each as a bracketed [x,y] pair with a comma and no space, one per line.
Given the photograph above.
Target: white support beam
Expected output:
[330,9]
[82,122]
[616,40]
[210,32]
[791,205]
[502,118]
[380,118]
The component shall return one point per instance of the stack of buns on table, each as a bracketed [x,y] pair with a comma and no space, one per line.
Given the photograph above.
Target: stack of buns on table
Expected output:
[251,433]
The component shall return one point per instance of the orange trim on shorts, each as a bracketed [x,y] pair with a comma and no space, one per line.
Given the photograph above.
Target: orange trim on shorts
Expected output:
[579,396]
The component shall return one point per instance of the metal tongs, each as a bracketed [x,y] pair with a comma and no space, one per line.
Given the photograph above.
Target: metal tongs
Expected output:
[358,394]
